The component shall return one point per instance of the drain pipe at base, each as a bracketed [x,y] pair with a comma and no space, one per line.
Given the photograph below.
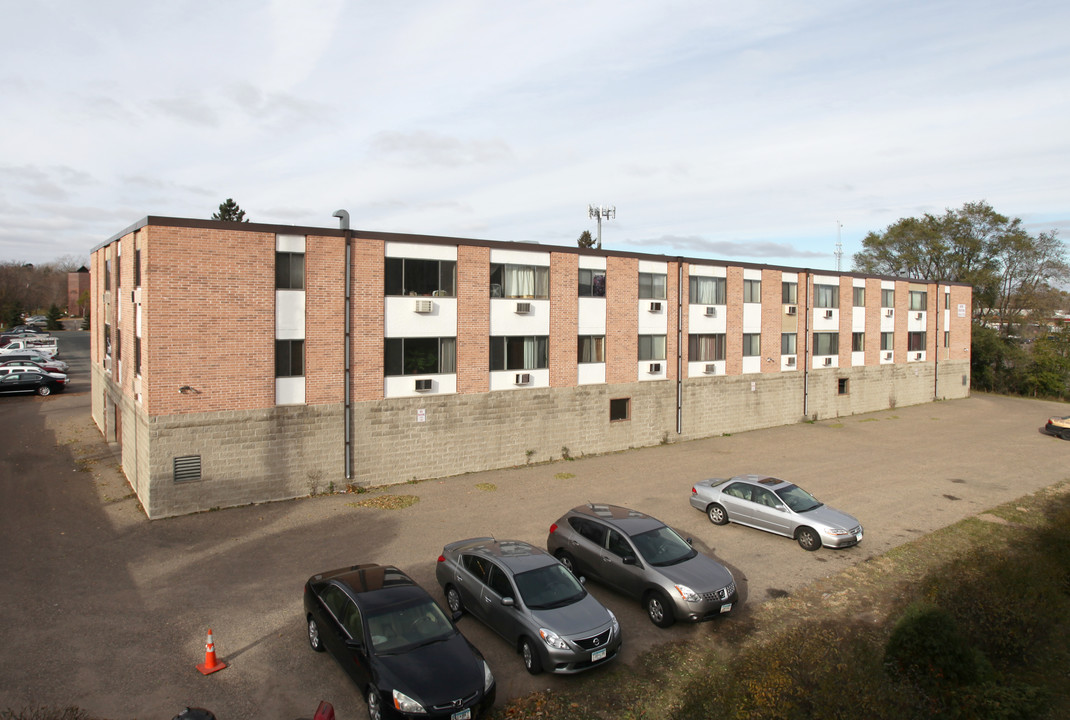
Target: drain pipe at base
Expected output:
[343,217]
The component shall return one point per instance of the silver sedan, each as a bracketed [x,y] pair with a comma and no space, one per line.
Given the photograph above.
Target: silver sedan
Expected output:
[771,504]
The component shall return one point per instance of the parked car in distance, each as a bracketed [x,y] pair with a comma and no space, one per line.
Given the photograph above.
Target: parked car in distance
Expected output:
[30,381]
[46,367]
[771,504]
[57,376]
[644,558]
[51,364]
[396,643]
[1059,427]
[530,599]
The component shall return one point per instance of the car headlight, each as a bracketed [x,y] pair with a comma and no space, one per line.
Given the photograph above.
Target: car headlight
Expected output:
[687,593]
[835,531]
[550,638]
[615,627]
[404,703]
[488,679]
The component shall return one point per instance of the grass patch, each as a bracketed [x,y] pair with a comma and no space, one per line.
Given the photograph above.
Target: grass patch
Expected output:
[386,502]
[486,487]
[969,622]
[45,713]
[564,476]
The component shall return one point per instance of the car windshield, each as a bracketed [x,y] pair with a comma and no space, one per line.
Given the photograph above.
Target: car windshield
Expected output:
[549,587]
[662,546]
[399,629]
[798,499]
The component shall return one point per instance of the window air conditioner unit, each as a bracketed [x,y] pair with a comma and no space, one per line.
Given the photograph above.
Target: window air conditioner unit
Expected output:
[917,356]
[828,313]
[828,361]
[654,368]
[791,360]
[792,309]
[655,307]
[423,385]
[711,369]
[523,308]
[423,306]
[522,379]
[917,316]
[887,356]
[711,311]
[889,312]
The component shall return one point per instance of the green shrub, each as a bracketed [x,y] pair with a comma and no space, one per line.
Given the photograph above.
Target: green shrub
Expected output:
[926,649]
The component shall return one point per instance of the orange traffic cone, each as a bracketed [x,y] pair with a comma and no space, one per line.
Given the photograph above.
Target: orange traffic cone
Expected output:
[210,664]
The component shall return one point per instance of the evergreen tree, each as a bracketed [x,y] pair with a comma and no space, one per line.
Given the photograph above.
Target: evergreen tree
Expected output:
[230,212]
[585,240]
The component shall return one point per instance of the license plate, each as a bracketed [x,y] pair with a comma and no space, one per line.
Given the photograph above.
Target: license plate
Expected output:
[726,607]
[858,537]
[598,655]
[465,714]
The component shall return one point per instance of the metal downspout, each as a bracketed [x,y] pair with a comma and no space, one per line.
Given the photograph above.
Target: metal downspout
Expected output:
[806,346]
[936,352]
[347,422]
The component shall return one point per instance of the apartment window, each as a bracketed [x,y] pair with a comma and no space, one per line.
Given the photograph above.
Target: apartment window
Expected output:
[947,301]
[787,344]
[789,293]
[137,355]
[119,272]
[826,296]
[619,409]
[651,286]
[915,342]
[858,297]
[887,341]
[592,283]
[519,281]
[705,348]
[519,353]
[651,347]
[888,298]
[947,339]
[919,300]
[858,342]
[843,385]
[107,340]
[137,268]
[107,274]
[118,344]
[752,291]
[826,343]
[289,271]
[415,276]
[752,344]
[420,356]
[289,358]
[706,290]
[591,349]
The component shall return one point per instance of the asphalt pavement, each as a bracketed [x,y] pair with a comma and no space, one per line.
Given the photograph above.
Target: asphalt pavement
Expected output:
[108,611]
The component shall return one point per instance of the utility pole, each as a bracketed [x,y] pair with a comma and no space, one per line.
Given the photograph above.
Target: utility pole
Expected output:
[608,212]
[839,245]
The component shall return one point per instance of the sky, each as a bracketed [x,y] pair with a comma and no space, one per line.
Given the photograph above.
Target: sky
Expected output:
[765,131]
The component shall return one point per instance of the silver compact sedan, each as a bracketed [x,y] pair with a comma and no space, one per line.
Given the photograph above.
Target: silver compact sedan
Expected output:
[531,600]
[771,504]
[645,559]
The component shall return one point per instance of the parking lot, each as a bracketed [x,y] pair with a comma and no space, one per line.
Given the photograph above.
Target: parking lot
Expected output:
[108,611]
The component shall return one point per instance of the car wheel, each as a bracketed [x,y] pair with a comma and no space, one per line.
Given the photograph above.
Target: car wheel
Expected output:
[1065,434]
[808,539]
[375,705]
[532,663]
[565,559]
[717,514]
[453,599]
[44,390]
[314,640]
[659,610]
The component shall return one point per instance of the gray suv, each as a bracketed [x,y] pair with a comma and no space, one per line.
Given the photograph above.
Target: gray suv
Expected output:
[644,558]
[531,600]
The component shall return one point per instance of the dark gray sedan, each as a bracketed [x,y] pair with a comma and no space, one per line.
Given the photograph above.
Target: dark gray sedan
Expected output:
[771,504]
[644,558]
[531,600]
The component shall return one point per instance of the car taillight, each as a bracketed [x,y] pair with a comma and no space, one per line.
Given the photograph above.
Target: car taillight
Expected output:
[442,558]
[694,491]
[553,528]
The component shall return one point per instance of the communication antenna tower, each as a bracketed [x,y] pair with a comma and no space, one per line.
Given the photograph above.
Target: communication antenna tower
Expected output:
[599,212]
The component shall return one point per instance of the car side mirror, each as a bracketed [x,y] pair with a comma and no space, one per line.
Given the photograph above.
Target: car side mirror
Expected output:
[781,507]
[690,541]
[458,615]
[355,645]
[508,602]
[582,579]
[630,560]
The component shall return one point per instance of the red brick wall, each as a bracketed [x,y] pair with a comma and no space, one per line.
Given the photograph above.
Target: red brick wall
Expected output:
[772,319]
[324,319]
[734,322]
[622,323]
[368,270]
[564,318]
[473,319]
[846,315]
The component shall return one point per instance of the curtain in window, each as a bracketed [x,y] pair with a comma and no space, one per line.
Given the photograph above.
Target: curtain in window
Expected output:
[826,296]
[447,357]
[526,281]
[707,291]
[705,348]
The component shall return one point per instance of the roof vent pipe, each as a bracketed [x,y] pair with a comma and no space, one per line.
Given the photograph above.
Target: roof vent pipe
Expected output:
[343,218]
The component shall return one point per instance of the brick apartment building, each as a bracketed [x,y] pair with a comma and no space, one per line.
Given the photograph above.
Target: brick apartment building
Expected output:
[239,363]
